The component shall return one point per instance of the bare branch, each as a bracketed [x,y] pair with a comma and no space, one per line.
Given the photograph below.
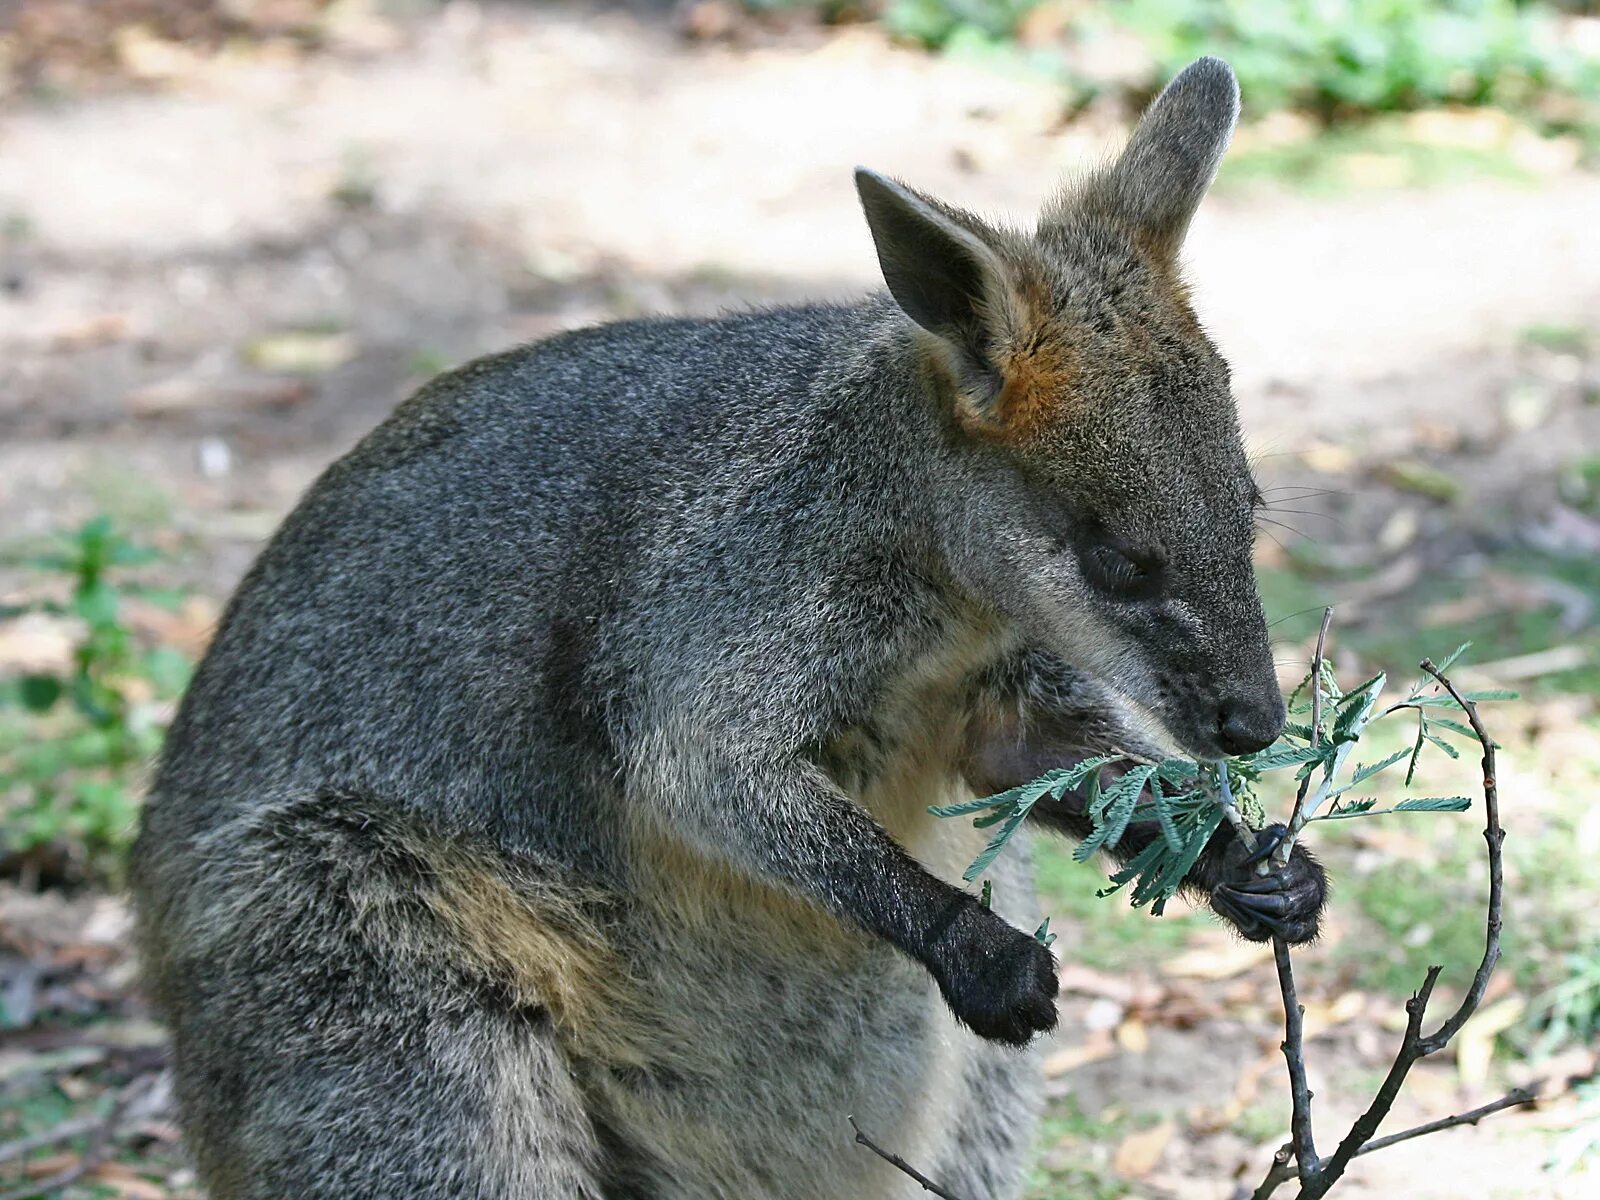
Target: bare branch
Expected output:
[901,1165]
[1494,836]
[1305,1148]
[1512,1099]
[1282,1171]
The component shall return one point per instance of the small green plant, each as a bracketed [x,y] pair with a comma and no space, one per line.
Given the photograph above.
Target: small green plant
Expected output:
[1569,1012]
[1334,59]
[72,742]
[1190,800]
[1339,58]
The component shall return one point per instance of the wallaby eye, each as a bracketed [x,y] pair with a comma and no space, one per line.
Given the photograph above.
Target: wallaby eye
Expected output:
[1124,571]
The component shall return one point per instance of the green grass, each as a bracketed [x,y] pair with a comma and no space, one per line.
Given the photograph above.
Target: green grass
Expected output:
[1073,1159]
[1264,1122]
[1502,633]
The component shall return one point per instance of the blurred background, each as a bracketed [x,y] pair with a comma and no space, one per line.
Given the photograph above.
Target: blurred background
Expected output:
[234,233]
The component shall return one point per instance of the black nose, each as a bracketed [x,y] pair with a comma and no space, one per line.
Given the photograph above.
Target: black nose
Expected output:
[1244,728]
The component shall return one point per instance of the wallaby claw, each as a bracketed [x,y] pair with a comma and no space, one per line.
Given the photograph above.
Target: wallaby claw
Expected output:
[1268,840]
[1284,902]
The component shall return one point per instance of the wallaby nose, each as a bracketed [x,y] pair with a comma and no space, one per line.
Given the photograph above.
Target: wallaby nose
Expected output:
[1244,727]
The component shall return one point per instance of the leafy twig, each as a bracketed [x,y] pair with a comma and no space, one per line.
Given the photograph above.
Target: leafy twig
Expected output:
[1305,1149]
[1318,1176]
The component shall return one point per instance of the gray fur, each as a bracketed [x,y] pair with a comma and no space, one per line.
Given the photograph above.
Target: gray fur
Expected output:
[548,816]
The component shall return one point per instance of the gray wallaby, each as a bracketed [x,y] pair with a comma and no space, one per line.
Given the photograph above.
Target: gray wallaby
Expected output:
[549,817]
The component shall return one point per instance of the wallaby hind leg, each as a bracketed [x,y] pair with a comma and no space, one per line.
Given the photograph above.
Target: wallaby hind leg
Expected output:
[326,1047]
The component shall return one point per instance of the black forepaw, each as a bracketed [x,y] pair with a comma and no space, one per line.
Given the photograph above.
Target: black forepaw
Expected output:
[999,981]
[1287,901]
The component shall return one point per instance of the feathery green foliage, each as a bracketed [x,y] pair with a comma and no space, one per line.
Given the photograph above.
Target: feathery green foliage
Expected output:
[1188,800]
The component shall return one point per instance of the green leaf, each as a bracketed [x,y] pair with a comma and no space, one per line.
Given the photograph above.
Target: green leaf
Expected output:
[1117,804]
[96,603]
[1169,829]
[1177,771]
[1446,700]
[1042,935]
[1074,775]
[1493,694]
[1443,745]
[1434,804]
[1361,689]
[1365,773]
[1092,802]
[1416,750]
[986,897]
[1450,659]
[1353,808]
[1056,780]
[1465,731]
[1349,722]
[995,817]
[1283,755]
[996,844]
[967,807]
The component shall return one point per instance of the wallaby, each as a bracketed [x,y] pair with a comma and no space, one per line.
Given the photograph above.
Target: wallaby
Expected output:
[548,819]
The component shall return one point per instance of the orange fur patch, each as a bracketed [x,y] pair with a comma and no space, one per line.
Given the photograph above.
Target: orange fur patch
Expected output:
[1038,368]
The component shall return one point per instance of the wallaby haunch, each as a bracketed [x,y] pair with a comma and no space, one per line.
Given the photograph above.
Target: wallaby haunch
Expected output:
[549,818]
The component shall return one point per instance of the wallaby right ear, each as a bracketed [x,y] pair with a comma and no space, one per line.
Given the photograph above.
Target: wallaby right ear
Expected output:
[942,276]
[1173,155]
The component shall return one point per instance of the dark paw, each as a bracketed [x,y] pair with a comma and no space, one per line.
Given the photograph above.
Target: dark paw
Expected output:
[999,981]
[1287,901]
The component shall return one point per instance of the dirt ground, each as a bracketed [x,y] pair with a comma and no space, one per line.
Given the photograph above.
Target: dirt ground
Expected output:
[217,275]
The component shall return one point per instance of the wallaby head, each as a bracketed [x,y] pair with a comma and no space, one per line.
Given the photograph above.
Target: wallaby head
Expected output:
[1098,493]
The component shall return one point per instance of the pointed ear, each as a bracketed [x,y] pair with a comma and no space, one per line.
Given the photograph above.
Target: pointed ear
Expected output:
[1173,156]
[941,274]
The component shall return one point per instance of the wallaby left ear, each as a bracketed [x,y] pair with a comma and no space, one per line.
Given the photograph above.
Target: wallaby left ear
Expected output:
[1162,175]
[941,274]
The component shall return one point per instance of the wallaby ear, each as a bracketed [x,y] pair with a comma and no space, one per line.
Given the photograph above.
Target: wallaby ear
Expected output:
[940,273]
[1173,156]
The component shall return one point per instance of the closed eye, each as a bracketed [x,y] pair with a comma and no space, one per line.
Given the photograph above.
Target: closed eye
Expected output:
[1124,571]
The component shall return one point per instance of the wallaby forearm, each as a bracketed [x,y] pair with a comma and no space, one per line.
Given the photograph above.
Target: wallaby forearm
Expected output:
[787,823]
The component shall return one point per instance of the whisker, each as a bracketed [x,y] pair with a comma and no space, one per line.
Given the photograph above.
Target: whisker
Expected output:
[1311,512]
[1275,538]
[1293,615]
[1263,522]
[1306,493]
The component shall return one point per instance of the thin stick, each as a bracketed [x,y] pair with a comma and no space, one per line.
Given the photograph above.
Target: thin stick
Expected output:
[1305,1147]
[102,1134]
[1512,1099]
[55,1135]
[1297,819]
[900,1164]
